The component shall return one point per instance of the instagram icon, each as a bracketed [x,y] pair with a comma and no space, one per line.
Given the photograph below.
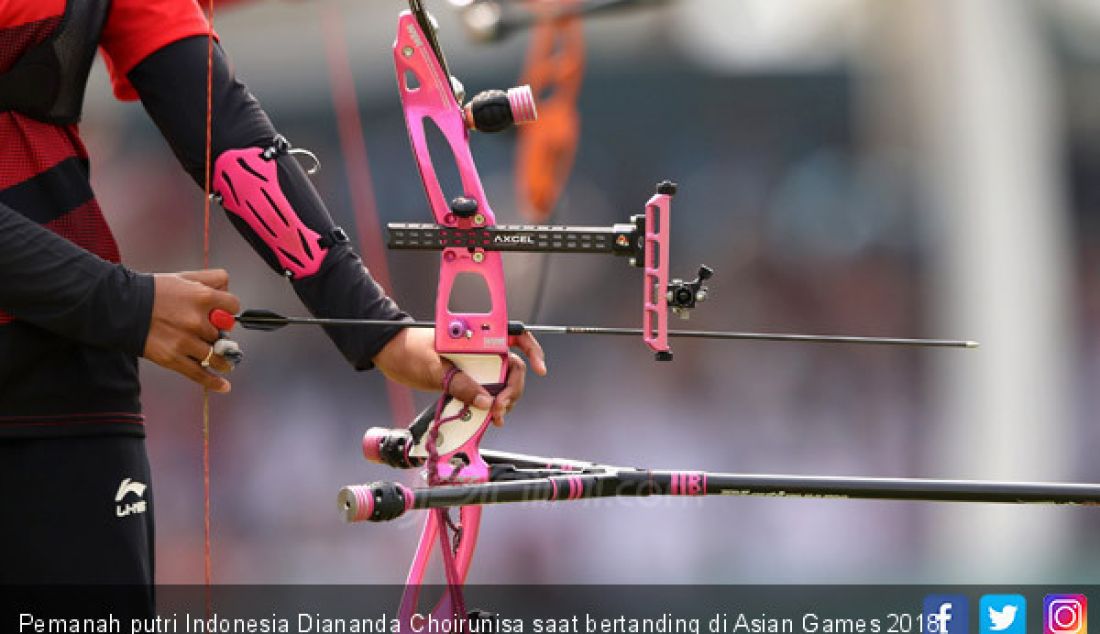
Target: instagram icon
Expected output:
[1065,614]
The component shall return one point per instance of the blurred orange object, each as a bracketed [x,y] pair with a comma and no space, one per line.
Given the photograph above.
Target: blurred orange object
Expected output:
[555,71]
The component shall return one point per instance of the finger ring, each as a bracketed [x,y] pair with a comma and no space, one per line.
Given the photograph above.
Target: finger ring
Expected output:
[209,355]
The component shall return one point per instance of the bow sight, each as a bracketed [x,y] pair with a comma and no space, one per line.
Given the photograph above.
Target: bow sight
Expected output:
[643,241]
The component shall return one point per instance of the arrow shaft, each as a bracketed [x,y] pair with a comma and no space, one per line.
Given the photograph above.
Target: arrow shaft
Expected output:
[757,336]
[271,321]
[248,321]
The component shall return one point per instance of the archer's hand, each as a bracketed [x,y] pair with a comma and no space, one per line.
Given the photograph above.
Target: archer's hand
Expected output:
[410,359]
[180,333]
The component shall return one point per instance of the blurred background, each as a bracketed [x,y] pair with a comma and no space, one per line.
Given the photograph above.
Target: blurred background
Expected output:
[902,168]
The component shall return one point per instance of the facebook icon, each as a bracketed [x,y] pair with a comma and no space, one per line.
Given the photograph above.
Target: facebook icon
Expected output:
[946,614]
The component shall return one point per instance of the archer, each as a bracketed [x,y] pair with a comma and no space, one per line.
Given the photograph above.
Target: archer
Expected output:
[73,465]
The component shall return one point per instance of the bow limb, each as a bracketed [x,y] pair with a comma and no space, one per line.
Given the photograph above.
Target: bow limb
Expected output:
[434,534]
[208,577]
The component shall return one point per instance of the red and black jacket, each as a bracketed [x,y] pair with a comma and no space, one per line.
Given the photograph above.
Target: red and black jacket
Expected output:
[73,320]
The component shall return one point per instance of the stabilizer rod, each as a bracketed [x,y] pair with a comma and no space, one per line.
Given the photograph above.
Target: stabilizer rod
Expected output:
[381,501]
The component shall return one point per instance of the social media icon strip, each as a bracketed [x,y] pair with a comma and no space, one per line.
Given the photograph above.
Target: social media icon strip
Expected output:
[946,614]
[1065,614]
[1002,614]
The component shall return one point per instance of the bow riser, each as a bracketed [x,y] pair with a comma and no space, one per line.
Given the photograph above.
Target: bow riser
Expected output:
[431,98]
[477,343]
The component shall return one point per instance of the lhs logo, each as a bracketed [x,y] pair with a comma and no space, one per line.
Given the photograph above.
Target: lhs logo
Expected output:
[946,614]
[126,487]
[1003,613]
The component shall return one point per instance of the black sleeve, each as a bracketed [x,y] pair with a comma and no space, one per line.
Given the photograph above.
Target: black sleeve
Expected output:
[54,284]
[172,84]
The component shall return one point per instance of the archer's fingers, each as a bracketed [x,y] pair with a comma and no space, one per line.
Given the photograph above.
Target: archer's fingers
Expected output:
[215,299]
[218,295]
[199,351]
[214,278]
[225,301]
[470,391]
[191,369]
[513,389]
[220,364]
[531,348]
[230,351]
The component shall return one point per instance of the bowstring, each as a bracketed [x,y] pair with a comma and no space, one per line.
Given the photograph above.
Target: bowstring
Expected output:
[206,538]
[349,126]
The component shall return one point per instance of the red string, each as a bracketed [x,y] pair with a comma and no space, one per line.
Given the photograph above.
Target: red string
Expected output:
[349,127]
[206,541]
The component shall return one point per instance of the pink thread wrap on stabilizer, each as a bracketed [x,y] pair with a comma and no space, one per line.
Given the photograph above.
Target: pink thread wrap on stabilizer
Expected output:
[248,186]
[522,101]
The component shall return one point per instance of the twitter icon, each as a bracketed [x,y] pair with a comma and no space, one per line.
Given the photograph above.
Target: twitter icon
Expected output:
[1002,614]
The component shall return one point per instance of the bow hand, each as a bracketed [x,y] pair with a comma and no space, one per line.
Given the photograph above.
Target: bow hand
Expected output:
[410,358]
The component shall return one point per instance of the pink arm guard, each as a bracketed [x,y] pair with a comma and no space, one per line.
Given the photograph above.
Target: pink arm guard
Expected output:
[248,186]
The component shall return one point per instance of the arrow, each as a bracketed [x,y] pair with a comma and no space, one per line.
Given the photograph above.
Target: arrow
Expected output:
[267,320]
